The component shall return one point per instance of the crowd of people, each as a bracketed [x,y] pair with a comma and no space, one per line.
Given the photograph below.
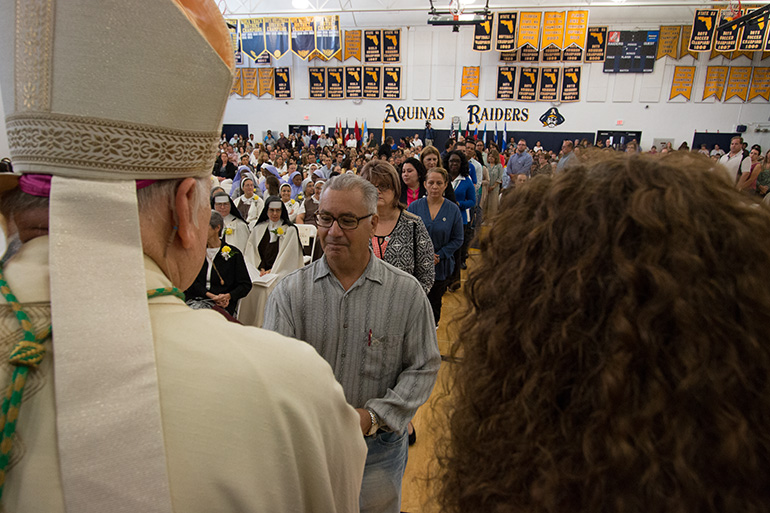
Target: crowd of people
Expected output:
[612,355]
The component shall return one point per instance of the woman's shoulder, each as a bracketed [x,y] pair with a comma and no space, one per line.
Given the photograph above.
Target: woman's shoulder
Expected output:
[409,217]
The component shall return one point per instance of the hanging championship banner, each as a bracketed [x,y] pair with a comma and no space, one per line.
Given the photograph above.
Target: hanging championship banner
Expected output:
[237,83]
[372,46]
[703,24]
[527,85]
[529,36]
[391,82]
[509,56]
[506,32]
[372,81]
[684,77]
[277,36]
[506,76]
[335,87]
[235,41]
[716,78]
[549,85]
[353,44]
[754,32]
[760,84]
[482,37]
[327,36]
[470,81]
[570,85]
[250,81]
[266,78]
[302,36]
[668,42]
[317,83]
[252,37]
[282,84]
[391,45]
[684,47]
[353,83]
[725,40]
[596,45]
[553,36]
[738,81]
[575,36]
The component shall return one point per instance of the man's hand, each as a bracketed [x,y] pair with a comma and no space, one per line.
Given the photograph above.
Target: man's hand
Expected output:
[366,420]
[435,259]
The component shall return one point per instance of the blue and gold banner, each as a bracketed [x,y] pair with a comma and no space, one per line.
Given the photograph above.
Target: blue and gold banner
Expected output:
[703,26]
[570,84]
[277,36]
[391,82]
[754,32]
[482,37]
[372,76]
[317,83]
[506,32]
[353,81]
[506,78]
[391,45]
[250,81]
[549,85]
[235,42]
[527,84]
[282,84]
[327,36]
[253,37]
[335,86]
[302,36]
[373,46]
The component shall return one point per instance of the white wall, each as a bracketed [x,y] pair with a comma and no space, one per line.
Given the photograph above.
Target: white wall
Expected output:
[432,61]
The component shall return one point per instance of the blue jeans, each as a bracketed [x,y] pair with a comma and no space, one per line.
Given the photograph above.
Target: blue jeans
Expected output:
[385,466]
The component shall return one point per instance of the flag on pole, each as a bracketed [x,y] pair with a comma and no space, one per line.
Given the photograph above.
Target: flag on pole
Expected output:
[347,130]
[504,145]
[485,134]
[466,130]
[495,138]
[366,132]
[476,133]
[382,139]
[452,133]
[357,132]
[459,129]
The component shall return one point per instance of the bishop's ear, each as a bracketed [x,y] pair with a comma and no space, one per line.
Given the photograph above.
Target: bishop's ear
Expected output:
[188,206]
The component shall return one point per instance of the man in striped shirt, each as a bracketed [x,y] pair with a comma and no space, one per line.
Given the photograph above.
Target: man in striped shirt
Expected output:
[372,323]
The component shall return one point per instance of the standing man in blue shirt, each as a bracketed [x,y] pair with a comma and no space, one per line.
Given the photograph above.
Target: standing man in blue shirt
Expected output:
[520,162]
[430,134]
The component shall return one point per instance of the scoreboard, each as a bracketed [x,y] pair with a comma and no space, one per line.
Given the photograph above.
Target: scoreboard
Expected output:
[631,51]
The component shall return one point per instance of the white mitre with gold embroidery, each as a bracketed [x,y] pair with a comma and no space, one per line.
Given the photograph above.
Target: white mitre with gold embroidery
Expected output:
[100,93]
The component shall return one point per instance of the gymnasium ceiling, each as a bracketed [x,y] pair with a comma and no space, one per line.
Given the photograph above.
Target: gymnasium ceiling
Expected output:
[406,13]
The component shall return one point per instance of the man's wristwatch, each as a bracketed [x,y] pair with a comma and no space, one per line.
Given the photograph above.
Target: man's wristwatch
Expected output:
[375,423]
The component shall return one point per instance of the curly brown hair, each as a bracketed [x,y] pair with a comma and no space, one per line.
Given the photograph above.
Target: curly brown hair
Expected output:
[615,350]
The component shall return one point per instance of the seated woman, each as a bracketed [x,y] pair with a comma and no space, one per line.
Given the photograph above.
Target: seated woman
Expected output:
[223,280]
[292,205]
[249,204]
[445,226]
[236,231]
[295,181]
[273,249]
[615,351]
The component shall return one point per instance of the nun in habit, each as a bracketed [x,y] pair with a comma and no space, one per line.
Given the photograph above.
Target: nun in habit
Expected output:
[292,205]
[249,204]
[236,231]
[273,251]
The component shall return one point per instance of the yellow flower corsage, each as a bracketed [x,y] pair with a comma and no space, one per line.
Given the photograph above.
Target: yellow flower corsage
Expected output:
[228,231]
[278,231]
[226,252]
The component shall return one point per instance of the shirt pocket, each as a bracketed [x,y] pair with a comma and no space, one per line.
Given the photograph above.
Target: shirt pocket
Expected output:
[382,358]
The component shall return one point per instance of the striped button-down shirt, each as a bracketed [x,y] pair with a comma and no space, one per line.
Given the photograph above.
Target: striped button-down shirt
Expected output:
[378,336]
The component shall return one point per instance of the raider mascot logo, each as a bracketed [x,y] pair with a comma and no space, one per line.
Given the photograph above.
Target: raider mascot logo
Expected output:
[552,118]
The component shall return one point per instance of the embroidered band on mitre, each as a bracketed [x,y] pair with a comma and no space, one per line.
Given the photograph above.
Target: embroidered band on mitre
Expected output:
[114,91]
